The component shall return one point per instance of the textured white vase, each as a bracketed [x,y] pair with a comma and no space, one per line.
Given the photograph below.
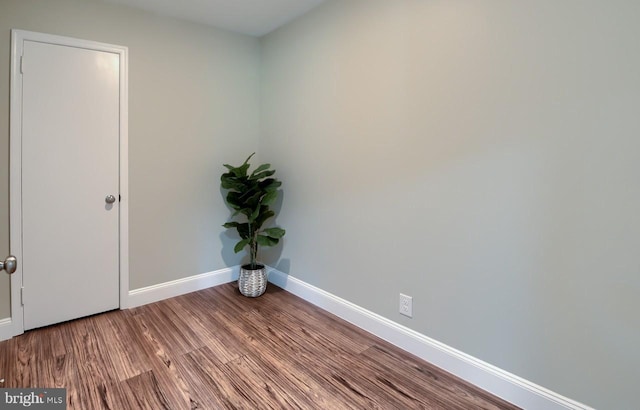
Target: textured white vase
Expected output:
[252,282]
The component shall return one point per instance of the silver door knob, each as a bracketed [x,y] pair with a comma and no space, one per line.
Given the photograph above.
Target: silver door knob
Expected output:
[110,199]
[10,264]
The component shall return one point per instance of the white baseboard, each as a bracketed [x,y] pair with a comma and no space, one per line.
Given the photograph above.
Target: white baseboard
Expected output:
[501,383]
[156,293]
[6,330]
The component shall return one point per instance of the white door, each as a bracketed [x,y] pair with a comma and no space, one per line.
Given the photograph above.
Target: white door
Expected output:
[70,154]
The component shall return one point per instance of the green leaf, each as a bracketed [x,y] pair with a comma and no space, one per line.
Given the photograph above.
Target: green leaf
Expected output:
[265,213]
[260,169]
[269,198]
[240,245]
[263,174]
[252,198]
[270,184]
[226,180]
[233,198]
[247,212]
[264,240]
[240,171]
[231,225]
[275,232]
[254,214]
[244,231]
[233,183]
[246,161]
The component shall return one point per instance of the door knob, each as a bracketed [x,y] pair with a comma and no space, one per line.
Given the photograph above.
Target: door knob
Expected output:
[110,199]
[9,264]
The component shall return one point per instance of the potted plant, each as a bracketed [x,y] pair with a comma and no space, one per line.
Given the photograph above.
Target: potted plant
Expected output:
[250,196]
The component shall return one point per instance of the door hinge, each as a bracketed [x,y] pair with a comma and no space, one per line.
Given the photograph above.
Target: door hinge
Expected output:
[21,64]
[22,296]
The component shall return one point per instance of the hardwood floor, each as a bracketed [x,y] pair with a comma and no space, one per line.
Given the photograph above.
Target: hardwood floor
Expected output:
[215,349]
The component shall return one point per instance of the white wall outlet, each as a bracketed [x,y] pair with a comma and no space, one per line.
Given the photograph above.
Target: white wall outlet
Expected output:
[406,305]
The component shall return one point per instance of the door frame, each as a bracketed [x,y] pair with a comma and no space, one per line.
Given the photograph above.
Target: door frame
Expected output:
[18,37]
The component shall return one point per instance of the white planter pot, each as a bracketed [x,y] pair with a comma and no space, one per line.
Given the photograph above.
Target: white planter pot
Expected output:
[252,282]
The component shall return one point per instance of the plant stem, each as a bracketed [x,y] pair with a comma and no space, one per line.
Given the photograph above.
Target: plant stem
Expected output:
[254,253]
[252,247]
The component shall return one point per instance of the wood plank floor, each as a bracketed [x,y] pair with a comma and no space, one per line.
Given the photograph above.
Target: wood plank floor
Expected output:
[215,349]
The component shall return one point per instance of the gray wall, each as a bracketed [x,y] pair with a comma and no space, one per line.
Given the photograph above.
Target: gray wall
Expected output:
[193,105]
[481,156]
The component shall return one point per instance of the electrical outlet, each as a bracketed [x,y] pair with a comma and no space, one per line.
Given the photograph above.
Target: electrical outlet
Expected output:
[406,305]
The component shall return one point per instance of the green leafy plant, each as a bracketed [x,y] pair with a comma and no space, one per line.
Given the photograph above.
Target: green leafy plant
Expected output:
[250,196]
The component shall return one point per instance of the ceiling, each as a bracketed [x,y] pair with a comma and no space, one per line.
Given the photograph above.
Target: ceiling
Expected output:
[253,17]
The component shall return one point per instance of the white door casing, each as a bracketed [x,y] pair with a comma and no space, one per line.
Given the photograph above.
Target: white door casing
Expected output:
[65,157]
